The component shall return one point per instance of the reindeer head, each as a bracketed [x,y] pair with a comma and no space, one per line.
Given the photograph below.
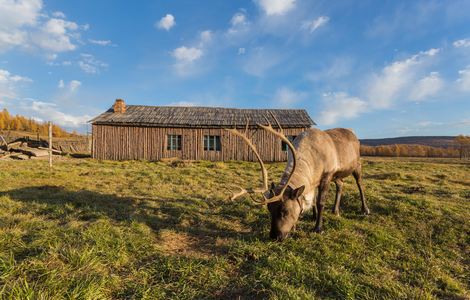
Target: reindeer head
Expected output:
[285,213]
[284,202]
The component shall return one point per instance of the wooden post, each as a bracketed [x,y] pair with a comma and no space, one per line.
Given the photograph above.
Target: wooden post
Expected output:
[50,145]
[89,135]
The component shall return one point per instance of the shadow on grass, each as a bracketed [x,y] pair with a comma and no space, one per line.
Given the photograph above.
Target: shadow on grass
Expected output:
[187,217]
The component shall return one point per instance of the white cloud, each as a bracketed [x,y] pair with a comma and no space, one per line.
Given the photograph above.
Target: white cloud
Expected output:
[89,64]
[167,22]
[51,57]
[238,19]
[241,51]
[12,38]
[400,80]
[462,43]
[6,76]
[50,112]
[14,15]
[430,52]
[18,13]
[276,7]
[385,88]
[24,24]
[186,58]
[427,87]
[9,83]
[464,79]
[286,97]
[74,85]
[239,25]
[58,14]
[429,124]
[206,36]
[55,35]
[340,106]
[187,55]
[101,42]
[313,25]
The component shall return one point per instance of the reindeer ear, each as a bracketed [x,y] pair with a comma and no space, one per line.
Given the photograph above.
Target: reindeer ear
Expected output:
[298,192]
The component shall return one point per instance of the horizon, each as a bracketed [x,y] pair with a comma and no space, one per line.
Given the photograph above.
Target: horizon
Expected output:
[383,70]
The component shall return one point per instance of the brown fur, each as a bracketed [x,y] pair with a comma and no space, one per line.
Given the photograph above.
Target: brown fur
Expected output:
[322,157]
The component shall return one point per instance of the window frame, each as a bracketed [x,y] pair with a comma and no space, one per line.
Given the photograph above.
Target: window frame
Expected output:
[174,142]
[284,146]
[212,143]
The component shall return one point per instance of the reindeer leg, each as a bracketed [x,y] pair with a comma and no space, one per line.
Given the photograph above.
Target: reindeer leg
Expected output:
[322,193]
[358,177]
[315,212]
[339,190]
[314,206]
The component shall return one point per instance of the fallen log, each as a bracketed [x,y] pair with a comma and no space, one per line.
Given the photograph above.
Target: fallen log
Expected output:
[7,156]
[31,151]
[19,156]
[54,151]
[15,144]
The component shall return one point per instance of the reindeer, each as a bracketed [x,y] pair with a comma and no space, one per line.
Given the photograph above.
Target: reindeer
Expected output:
[315,159]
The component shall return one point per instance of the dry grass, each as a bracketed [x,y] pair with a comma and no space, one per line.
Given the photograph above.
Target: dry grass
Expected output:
[132,230]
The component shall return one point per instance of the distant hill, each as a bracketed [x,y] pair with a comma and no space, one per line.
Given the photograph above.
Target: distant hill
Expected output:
[433,141]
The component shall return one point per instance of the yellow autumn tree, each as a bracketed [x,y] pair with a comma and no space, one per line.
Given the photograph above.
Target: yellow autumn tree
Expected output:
[464,145]
[20,123]
[2,122]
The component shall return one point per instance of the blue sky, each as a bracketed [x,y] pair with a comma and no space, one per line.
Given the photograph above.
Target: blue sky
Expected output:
[383,68]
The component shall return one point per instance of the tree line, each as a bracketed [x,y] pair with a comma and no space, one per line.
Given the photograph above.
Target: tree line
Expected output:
[461,150]
[464,145]
[20,123]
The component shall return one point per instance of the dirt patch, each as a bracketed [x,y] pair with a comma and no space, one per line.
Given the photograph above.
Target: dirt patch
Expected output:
[417,189]
[182,244]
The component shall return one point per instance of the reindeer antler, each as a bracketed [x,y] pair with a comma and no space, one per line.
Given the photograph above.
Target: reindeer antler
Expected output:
[283,137]
[264,172]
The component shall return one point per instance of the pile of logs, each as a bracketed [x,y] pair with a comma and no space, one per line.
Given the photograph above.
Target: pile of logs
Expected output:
[23,149]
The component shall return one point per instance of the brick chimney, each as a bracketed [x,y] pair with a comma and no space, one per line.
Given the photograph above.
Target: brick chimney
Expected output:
[119,106]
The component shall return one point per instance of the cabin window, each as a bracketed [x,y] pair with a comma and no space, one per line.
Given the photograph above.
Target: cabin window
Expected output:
[291,138]
[212,143]
[174,142]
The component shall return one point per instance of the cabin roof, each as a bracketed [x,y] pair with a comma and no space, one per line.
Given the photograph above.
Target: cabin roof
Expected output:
[177,116]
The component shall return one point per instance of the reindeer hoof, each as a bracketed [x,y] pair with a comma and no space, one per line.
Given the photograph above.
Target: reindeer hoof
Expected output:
[317,230]
[336,213]
[366,212]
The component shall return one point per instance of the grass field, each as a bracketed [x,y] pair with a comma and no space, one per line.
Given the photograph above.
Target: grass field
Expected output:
[132,230]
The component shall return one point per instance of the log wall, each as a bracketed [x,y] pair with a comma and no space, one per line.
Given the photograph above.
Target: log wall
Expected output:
[150,143]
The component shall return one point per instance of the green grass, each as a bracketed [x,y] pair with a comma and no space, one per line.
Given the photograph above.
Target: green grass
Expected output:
[132,230]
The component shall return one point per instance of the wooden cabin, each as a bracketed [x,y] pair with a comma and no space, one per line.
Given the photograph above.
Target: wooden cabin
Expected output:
[128,132]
